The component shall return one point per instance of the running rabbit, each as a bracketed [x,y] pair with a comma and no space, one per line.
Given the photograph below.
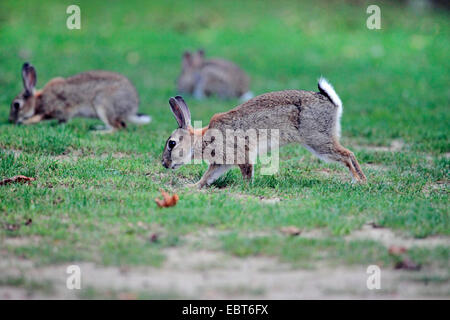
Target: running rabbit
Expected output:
[107,96]
[305,117]
[202,77]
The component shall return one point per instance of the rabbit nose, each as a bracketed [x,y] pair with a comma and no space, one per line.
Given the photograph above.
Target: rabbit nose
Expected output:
[165,165]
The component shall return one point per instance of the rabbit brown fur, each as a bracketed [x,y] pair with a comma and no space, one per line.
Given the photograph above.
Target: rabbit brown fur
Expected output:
[202,77]
[105,95]
[308,118]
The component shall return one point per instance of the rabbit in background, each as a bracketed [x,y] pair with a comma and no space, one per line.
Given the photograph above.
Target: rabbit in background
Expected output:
[105,95]
[202,78]
[309,118]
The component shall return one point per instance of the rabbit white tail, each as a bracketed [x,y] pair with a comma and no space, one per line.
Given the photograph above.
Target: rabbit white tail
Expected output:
[327,89]
[246,96]
[140,119]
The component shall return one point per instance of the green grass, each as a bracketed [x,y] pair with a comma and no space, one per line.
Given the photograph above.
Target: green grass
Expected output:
[29,286]
[93,195]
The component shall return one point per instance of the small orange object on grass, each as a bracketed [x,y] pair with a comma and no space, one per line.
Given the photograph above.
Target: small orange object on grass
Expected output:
[167,201]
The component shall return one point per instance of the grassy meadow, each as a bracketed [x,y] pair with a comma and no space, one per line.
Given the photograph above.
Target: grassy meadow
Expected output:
[93,198]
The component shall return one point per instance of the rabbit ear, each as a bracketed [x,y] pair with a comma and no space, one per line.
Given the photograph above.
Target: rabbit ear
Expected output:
[187,59]
[180,111]
[29,77]
[184,108]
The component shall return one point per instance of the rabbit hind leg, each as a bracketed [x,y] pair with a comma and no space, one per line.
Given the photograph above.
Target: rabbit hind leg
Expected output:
[103,116]
[334,151]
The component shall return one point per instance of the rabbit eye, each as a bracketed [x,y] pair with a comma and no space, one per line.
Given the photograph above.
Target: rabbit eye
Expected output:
[172,144]
[16,105]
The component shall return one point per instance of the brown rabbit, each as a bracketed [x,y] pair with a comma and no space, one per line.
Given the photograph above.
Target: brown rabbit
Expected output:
[202,77]
[105,95]
[309,118]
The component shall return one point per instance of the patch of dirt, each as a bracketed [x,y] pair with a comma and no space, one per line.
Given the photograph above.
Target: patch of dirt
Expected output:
[207,274]
[395,146]
[16,152]
[210,235]
[75,155]
[262,199]
[343,175]
[20,241]
[191,270]
[441,186]
[388,238]
[70,156]
[176,181]
[13,293]
[375,166]
[313,234]
[115,155]
[269,200]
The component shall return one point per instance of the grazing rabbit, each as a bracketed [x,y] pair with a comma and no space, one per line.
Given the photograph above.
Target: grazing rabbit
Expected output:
[202,77]
[309,118]
[107,96]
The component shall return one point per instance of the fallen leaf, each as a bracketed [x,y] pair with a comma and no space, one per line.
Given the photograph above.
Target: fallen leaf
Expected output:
[16,179]
[397,250]
[291,230]
[167,201]
[154,237]
[404,261]
[407,264]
